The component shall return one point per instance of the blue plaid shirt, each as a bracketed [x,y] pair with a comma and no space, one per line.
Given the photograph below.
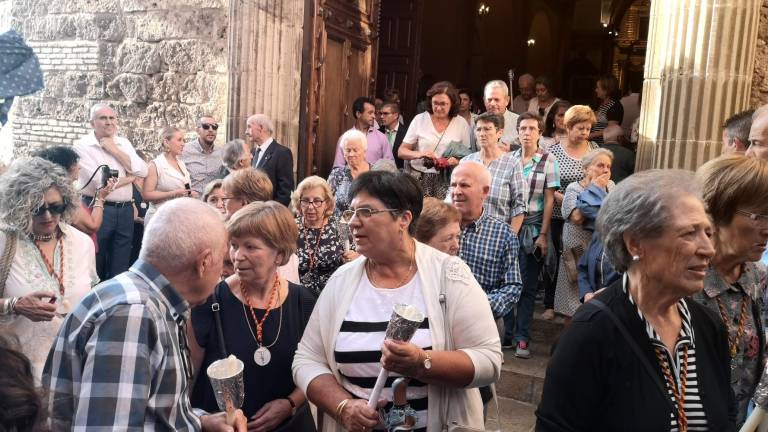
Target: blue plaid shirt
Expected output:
[117,363]
[509,190]
[489,247]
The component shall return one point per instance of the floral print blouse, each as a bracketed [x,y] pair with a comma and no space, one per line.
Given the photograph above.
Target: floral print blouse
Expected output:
[320,251]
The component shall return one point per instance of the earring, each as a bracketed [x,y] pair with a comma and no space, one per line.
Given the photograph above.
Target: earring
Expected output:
[635,258]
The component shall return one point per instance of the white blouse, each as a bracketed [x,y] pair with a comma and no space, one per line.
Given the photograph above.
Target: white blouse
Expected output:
[29,274]
[168,179]
[424,137]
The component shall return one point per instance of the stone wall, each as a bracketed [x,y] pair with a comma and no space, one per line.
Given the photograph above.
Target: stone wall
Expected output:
[158,62]
[759,94]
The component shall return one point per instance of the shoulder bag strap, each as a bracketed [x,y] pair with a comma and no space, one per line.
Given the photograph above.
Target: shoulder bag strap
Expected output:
[216,308]
[638,352]
[9,251]
[539,167]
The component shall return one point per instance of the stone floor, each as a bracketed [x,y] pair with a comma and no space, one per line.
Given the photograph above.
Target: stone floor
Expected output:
[516,416]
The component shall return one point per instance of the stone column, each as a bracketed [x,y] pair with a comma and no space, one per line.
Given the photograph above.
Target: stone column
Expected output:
[265,42]
[698,72]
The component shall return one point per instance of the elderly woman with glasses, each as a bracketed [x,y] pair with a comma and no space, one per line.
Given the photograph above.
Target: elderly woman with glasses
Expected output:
[735,191]
[455,350]
[47,264]
[353,145]
[324,244]
[642,355]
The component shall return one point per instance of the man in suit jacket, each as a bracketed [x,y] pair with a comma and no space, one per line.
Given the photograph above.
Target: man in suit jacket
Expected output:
[269,156]
[393,129]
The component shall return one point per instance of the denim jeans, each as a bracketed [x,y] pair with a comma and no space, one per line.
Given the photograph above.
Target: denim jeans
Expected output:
[518,328]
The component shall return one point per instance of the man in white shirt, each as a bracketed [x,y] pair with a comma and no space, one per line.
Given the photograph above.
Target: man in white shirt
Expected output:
[526,85]
[103,147]
[496,99]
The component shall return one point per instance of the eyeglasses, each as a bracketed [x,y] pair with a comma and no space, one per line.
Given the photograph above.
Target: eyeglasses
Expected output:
[754,217]
[363,213]
[207,126]
[317,202]
[54,209]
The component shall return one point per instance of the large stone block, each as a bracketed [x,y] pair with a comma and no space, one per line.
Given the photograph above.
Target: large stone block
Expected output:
[202,87]
[108,56]
[138,57]
[144,5]
[152,116]
[189,56]
[166,86]
[178,115]
[130,86]
[109,27]
[80,6]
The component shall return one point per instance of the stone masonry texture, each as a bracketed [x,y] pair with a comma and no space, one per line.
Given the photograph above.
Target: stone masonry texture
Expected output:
[158,62]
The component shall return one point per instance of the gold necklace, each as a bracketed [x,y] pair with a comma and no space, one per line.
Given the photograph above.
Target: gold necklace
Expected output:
[370,267]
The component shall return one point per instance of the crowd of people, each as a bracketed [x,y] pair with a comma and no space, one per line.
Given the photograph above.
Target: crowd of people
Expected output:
[467,217]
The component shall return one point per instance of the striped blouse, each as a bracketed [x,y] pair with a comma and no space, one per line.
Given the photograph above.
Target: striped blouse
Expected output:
[358,345]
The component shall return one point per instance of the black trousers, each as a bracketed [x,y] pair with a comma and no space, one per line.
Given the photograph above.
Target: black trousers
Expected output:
[549,276]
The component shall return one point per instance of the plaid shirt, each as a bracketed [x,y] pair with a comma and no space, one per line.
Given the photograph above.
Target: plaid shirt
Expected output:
[508,188]
[489,247]
[116,363]
[203,167]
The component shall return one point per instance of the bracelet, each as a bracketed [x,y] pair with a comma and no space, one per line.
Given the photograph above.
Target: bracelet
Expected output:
[340,408]
[6,306]
[98,206]
[290,401]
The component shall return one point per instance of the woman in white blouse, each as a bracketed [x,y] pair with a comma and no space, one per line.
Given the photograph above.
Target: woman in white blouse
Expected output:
[429,136]
[47,265]
[167,176]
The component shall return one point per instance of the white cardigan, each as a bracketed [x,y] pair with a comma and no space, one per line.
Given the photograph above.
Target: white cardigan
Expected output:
[468,313]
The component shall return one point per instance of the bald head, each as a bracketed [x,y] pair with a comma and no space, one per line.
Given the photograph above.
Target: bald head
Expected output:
[470,185]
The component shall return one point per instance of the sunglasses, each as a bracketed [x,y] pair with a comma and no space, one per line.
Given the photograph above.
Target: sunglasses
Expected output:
[54,209]
[207,126]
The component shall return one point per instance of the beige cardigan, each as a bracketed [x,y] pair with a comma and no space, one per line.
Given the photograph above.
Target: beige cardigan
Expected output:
[468,314]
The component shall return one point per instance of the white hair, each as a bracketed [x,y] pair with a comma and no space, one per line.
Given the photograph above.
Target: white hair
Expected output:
[98,107]
[590,157]
[263,121]
[353,135]
[495,84]
[526,77]
[479,170]
[180,230]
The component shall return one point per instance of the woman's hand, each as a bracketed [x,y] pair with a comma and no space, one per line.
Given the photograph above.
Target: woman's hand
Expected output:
[270,415]
[106,190]
[192,194]
[404,358]
[349,255]
[559,197]
[590,295]
[542,243]
[429,154]
[452,161]
[357,417]
[218,422]
[36,306]
[601,181]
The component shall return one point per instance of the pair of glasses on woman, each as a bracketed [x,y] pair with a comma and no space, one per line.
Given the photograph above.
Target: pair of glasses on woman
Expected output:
[52,208]
[754,217]
[363,213]
[317,202]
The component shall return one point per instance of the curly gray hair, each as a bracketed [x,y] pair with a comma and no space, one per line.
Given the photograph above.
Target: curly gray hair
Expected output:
[23,187]
[640,205]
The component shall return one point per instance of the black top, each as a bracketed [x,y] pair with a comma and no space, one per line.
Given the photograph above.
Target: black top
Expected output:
[595,382]
[277,163]
[262,383]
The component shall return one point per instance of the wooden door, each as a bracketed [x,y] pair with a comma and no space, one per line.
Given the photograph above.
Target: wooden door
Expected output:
[342,55]
[399,46]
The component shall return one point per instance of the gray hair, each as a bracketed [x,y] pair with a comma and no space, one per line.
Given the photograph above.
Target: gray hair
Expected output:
[526,78]
[96,108]
[590,157]
[353,135]
[180,230]
[23,187]
[495,84]
[640,205]
[263,121]
[384,165]
[232,153]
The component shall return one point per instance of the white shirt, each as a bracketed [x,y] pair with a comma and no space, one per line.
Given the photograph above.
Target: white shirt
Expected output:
[424,137]
[510,127]
[92,155]
[533,107]
[264,146]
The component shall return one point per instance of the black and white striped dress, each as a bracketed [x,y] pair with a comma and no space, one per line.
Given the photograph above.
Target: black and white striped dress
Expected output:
[694,410]
[358,345]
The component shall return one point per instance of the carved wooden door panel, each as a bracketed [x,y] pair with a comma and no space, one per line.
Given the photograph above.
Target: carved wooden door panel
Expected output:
[399,46]
[342,53]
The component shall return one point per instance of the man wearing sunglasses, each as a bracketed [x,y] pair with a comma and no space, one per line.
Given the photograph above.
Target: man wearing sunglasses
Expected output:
[101,147]
[201,156]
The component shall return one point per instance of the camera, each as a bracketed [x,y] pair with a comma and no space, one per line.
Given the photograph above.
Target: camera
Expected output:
[438,164]
[108,173]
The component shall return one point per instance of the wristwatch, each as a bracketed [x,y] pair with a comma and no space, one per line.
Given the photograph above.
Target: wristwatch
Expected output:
[427,360]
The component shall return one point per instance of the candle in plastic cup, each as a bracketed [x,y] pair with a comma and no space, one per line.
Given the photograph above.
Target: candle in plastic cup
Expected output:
[226,377]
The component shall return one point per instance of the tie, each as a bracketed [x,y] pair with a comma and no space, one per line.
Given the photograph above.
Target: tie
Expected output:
[391,137]
[256,157]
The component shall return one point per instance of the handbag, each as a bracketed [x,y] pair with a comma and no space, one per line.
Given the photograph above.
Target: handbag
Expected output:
[9,252]
[453,426]
[302,417]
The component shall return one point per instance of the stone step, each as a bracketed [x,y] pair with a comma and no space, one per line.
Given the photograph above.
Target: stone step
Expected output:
[516,416]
